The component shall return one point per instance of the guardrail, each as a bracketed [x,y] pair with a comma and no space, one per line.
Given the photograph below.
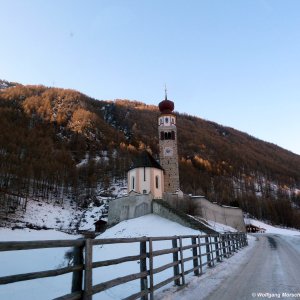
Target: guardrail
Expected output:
[206,251]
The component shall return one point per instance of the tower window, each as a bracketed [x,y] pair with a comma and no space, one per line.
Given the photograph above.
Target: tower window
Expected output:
[144,173]
[173,135]
[132,184]
[157,182]
[162,135]
[168,135]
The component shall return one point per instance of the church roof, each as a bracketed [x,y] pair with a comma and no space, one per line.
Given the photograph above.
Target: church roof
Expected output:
[166,106]
[145,159]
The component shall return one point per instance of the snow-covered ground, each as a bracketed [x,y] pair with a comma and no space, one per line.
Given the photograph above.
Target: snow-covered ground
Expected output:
[272,229]
[149,225]
[220,227]
[17,262]
[65,216]
[25,261]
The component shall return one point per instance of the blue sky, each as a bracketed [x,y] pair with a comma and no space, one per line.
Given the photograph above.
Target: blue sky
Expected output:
[234,62]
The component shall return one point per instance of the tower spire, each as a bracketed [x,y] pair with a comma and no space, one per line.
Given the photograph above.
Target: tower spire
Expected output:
[166,96]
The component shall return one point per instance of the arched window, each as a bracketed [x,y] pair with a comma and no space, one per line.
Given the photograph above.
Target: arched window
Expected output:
[157,181]
[132,182]
[164,135]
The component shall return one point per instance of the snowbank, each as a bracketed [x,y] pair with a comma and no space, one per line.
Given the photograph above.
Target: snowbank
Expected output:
[25,261]
[37,260]
[273,229]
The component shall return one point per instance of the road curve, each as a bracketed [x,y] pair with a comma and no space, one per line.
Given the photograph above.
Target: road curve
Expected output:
[273,269]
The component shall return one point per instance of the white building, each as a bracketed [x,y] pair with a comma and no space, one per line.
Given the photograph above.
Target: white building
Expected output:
[146,176]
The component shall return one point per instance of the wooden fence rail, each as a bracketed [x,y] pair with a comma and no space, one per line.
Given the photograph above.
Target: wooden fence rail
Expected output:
[187,253]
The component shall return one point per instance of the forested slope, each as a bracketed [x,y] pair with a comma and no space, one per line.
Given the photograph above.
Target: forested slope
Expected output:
[56,141]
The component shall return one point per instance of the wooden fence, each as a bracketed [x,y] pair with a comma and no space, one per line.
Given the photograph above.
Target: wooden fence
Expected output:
[206,251]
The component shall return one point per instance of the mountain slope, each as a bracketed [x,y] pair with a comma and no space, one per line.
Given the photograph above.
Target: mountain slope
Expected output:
[58,141]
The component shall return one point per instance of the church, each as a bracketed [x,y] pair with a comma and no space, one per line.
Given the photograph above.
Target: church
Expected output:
[147,175]
[153,187]
[149,180]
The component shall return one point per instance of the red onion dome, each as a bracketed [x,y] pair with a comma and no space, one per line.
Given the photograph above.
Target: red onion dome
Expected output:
[166,106]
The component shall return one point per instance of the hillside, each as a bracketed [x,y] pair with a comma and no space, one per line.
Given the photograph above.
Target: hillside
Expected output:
[58,143]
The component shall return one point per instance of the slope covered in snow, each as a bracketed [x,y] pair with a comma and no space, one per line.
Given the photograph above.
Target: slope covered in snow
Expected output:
[25,261]
[62,214]
[272,229]
[149,225]
[37,260]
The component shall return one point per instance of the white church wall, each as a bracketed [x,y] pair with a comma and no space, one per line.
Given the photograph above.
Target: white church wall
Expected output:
[143,181]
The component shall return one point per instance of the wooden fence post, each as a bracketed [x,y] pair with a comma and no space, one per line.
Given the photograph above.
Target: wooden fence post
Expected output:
[77,275]
[217,248]
[200,254]
[208,252]
[228,244]
[181,260]
[88,270]
[223,245]
[151,268]
[195,260]
[211,251]
[143,268]
[175,259]
[246,239]
[236,247]
[232,237]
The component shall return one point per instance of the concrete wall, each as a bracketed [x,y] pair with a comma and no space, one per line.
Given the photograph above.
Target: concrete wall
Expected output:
[179,201]
[129,207]
[230,216]
[166,213]
[136,205]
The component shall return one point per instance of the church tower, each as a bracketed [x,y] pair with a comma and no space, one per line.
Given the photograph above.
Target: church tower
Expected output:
[168,145]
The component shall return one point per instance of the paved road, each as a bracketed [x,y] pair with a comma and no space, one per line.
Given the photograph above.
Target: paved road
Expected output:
[274,268]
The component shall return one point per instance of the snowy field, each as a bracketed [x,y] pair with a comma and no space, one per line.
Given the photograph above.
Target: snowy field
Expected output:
[37,260]
[25,261]
[151,225]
